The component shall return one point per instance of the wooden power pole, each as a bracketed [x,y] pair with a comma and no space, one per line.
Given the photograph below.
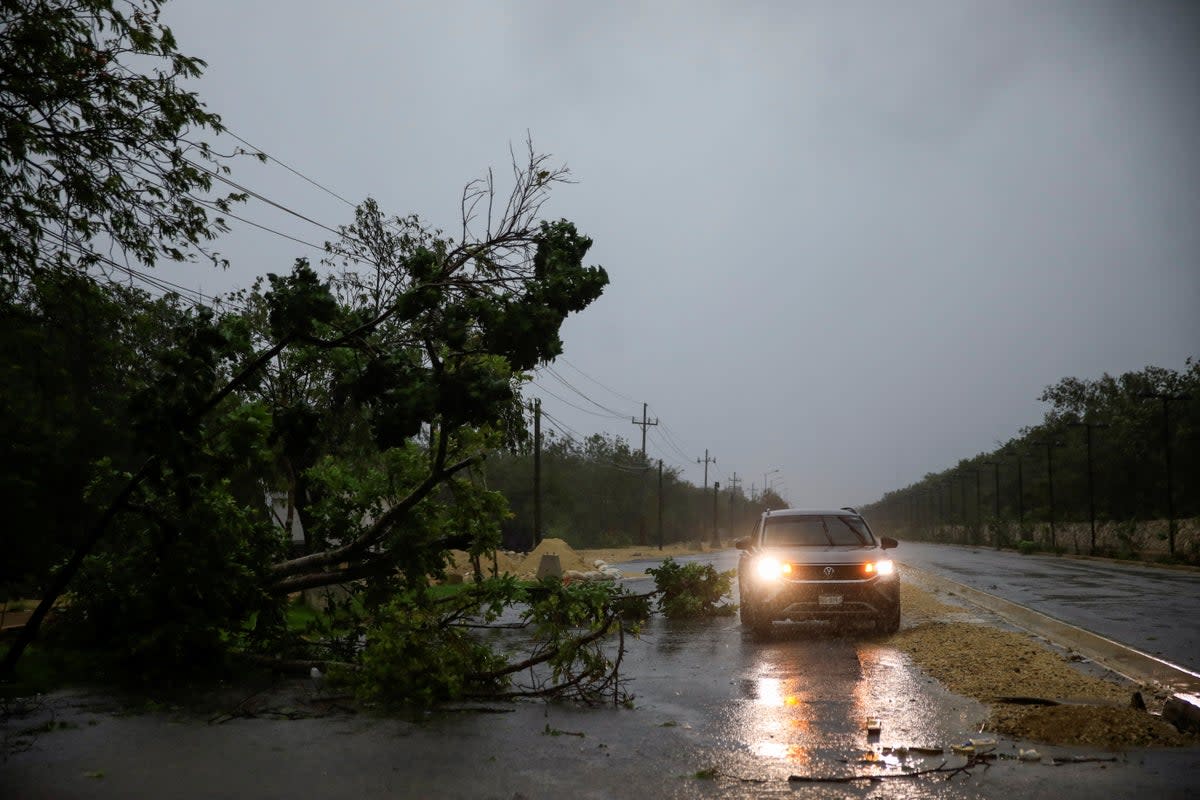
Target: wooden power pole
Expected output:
[645,423]
[537,473]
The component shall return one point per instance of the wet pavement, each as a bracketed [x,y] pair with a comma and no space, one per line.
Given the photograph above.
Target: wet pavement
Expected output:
[716,714]
[1151,609]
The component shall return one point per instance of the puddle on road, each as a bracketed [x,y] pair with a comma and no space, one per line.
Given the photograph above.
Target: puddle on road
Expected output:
[806,698]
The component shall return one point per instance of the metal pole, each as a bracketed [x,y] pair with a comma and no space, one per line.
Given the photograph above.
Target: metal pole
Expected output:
[1020,498]
[537,472]
[660,504]
[716,538]
[1050,473]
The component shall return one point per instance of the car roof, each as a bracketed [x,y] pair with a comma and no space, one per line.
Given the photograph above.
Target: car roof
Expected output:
[812,512]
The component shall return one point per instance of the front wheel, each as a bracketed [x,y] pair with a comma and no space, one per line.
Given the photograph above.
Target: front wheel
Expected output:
[753,620]
[888,622]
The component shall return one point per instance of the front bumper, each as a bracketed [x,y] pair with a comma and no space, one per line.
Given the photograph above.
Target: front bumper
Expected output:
[805,600]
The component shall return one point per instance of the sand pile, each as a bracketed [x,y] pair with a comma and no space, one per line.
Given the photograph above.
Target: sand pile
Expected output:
[567,556]
[523,566]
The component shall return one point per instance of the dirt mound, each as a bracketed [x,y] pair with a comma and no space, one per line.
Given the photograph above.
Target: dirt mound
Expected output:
[566,556]
[504,563]
[522,566]
[1098,726]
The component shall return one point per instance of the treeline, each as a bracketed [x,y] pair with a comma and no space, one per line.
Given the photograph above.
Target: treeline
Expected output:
[601,492]
[1111,450]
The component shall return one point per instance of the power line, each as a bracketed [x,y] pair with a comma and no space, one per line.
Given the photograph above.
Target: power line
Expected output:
[593,380]
[677,450]
[214,207]
[565,382]
[670,434]
[292,170]
[572,405]
[234,184]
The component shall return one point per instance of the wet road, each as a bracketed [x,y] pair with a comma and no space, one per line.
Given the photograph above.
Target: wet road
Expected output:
[1151,609]
[716,714]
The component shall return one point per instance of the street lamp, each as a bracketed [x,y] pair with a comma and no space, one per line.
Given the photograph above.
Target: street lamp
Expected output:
[764,483]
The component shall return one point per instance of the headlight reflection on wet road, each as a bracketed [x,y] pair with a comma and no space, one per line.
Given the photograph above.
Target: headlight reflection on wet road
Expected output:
[807,697]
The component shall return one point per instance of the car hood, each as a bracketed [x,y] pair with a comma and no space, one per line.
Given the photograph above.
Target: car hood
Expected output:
[826,555]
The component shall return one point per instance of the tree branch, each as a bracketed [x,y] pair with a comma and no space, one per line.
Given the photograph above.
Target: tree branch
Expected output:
[377,530]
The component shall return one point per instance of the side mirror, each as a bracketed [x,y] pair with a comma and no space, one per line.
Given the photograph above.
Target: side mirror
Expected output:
[742,543]
[887,542]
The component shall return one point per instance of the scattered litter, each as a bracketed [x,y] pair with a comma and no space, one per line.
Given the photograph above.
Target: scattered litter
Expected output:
[874,725]
[1029,755]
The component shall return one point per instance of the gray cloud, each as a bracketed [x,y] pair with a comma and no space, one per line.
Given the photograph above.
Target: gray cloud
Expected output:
[846,241]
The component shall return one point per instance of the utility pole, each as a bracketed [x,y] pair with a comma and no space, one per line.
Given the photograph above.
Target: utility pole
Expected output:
[716,537]
[645,423]
[660,505]
[537,472]
[734,485]
[706,462]
[1088,426]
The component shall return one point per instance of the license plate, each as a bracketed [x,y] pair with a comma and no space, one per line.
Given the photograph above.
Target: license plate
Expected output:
[830,600]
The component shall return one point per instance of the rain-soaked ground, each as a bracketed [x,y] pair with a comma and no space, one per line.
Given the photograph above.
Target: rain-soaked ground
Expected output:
[716,714]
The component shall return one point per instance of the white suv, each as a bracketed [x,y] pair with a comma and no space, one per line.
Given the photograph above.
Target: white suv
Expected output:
[817,564]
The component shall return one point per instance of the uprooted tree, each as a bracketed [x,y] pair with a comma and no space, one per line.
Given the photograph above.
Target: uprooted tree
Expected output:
[370,396]
[144,433]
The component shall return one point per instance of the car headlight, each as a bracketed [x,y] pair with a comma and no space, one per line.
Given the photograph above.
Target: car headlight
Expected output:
[882,567]
[770,568]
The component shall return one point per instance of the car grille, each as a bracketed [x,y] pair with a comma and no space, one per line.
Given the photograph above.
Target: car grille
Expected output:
[816,572]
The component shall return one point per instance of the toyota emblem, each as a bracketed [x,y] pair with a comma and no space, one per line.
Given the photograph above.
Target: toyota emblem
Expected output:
[829,572]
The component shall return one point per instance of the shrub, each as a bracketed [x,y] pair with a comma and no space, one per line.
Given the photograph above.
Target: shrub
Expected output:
[692,589]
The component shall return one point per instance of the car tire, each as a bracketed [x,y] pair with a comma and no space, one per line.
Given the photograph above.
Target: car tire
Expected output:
[752,620]
[888,622]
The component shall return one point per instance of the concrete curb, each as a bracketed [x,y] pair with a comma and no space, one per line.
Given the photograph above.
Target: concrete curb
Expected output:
[1183,709]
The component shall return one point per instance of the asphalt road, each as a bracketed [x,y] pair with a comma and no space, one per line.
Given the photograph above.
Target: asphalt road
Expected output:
[717,714]
[1151,609]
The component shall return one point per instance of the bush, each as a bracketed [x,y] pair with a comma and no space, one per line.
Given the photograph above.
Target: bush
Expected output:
[692,589]
[1028,547]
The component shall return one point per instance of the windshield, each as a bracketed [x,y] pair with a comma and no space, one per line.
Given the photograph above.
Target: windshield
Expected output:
[816,531]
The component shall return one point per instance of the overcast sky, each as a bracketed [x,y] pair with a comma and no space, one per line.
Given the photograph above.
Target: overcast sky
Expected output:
[846,241]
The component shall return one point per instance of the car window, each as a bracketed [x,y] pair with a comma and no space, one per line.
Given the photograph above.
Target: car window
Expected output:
[816,531]
[795,531]
[862,533]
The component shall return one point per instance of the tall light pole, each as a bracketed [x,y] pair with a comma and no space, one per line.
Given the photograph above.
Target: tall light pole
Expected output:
[765,484]
[1088,427]
[1166,407]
